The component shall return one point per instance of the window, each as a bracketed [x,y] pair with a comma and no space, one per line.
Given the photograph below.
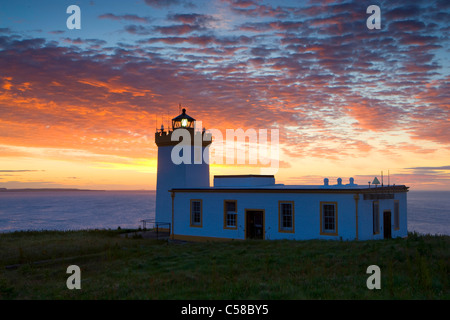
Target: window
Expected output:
[328,218]
[230,214]
[376,217]
[396,215]
[286,216]
[196,213]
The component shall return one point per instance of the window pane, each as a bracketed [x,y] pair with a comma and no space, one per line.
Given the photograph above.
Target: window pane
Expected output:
[376,218]
[286,215]
[328,217]
[230,206]
[231,219]
[230,213]
[196,212]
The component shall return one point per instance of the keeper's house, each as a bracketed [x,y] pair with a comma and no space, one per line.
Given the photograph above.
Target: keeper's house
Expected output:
[255,207]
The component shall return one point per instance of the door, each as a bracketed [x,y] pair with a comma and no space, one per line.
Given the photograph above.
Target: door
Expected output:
[254,224]
[387,224]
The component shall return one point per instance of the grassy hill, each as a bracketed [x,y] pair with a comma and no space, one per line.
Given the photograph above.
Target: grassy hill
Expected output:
[33,266]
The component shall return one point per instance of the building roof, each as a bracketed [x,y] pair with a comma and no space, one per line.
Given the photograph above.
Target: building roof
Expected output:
[245,176]
[183,115]
[251,183]
[281,188]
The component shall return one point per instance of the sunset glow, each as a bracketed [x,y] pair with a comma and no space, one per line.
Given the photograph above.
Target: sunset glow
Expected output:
[79,108]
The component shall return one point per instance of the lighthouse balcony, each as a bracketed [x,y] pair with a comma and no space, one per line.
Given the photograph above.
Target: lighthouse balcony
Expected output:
[164,138]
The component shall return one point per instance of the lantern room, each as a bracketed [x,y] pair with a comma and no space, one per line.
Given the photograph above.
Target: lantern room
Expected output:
[183,121]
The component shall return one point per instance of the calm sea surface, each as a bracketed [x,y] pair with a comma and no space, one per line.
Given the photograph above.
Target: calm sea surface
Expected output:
[428,211]
[74,210]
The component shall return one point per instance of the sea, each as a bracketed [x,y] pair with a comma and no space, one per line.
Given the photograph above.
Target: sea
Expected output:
[428,211]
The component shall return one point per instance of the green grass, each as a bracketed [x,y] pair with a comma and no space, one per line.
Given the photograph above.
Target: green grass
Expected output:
[113,267]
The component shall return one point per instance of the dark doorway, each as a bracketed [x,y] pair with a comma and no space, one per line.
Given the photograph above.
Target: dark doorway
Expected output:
[387,224]
[254,224]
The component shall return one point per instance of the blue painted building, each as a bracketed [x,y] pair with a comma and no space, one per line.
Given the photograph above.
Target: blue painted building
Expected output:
[255,207]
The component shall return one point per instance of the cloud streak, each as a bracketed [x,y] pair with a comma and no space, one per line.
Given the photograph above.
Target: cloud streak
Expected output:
[125,17]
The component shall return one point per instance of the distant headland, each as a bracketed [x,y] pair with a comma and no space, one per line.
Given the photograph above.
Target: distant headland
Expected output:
[65,189]
[44,189]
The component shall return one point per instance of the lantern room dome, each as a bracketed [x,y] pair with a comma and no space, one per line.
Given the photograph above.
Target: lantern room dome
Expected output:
[182,121]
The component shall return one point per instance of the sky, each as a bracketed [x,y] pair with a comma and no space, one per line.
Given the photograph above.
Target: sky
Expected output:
[79,107]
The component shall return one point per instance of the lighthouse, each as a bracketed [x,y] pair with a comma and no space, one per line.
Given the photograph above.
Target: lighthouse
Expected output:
[183,141]
[254,206]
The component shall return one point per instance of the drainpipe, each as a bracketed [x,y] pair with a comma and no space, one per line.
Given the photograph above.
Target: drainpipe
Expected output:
[356,197]
[173,202]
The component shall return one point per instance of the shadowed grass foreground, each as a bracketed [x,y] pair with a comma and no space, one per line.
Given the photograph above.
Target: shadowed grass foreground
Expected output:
[33,266]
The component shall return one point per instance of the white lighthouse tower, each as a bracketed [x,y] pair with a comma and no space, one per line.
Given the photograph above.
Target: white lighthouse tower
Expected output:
[191,173]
